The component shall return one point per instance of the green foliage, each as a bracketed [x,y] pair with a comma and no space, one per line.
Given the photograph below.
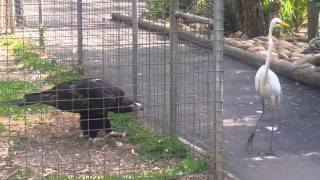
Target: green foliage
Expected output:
[153,146]
[29,56]
[190,165]
[16,141]
[159,9]
[150,144]
[64,74]
[25,173]
[187,166]
[203,8]
[294,12]
[2,127]
[12,90]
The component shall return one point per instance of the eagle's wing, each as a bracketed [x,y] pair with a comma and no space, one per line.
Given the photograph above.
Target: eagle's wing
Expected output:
[93,93]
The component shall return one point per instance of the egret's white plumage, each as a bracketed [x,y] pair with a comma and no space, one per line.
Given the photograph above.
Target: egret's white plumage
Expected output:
[267,83]
[271,88]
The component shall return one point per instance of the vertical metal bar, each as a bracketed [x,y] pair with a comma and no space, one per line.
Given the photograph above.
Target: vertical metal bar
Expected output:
[11,15]
[104,26]
[135,49]
[80,32]
[216,91]
[9,22]
[173,66]
[41,27]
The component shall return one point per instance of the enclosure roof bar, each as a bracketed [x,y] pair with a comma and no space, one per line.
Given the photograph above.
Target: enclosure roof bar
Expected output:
[193,18]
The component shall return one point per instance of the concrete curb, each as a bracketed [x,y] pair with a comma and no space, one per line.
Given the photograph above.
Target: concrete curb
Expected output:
[307,75]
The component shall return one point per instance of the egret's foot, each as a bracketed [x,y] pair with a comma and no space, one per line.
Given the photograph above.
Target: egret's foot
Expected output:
[250,141]
[115,134]
[269,153]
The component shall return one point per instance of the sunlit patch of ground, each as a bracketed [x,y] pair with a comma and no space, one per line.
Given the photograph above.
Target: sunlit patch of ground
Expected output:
[53,146]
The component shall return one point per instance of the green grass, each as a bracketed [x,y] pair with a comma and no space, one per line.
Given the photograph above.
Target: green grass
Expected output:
[188,165]
[150,146]
[17,141]
[155,147]
[12,90]
[25,173]
[141,176]
[2,128]
[30,57]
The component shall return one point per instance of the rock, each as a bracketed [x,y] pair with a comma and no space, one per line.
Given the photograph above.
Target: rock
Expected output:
[292,59]
[229,40]
[299,34]
[237,39]
[266,47]
[284,44]
[301,44]
[282,55]
[274,55]
[297,54]
[275,40]
[237,34]
[256,48]
[295,58]
[285,51]
[258,42]
[236,44]
[244,46]
[265,39]
[244,36]
[262,38]
[250,41]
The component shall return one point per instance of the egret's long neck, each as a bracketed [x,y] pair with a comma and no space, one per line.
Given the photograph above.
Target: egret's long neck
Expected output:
[270,44]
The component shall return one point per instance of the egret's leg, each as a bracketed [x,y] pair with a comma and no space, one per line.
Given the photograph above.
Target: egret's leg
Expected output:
[250,140]
[272,132]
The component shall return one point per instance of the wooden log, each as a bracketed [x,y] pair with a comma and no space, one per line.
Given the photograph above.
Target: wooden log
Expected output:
[315,60]
[194,18]
[305,75]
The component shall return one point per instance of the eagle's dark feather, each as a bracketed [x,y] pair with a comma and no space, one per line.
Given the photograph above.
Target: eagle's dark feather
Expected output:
[90,97]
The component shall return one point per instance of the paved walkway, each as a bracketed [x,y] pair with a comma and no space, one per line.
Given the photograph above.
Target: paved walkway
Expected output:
[296,141]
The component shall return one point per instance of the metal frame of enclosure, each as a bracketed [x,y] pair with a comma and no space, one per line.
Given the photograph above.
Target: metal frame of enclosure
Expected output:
[166,54]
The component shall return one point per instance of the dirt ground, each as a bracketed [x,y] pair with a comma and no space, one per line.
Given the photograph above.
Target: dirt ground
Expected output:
[41,144]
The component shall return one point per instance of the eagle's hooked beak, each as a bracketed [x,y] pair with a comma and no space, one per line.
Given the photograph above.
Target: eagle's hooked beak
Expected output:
[137,106]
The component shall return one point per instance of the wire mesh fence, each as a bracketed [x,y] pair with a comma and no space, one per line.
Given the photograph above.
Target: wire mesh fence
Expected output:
[178,83]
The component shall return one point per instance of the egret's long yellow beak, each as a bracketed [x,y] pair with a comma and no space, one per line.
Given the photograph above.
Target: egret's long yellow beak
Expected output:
[284,24]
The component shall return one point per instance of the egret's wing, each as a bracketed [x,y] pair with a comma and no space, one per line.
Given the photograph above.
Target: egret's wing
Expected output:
[274,82]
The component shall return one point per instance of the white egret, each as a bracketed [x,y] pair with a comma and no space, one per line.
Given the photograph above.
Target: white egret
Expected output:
[267,84]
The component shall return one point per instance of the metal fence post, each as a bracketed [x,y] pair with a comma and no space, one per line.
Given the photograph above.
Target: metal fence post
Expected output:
[80,33]
[216,90]
[41,27]
[135,49]
[173,66]
[104,34]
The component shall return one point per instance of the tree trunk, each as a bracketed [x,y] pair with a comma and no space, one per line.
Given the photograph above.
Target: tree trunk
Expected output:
[231,16]
[313,17]
[251,18]
[273,10]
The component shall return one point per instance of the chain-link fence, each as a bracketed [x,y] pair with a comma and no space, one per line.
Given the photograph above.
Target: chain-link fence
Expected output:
[159,52]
